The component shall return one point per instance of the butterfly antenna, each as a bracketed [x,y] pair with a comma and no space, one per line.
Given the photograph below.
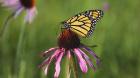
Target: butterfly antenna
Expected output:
[5,25]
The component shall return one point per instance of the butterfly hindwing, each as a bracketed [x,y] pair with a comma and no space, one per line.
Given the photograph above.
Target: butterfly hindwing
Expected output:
[83,23]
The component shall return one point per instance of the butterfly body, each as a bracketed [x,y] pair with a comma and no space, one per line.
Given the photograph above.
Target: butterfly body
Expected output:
[83,23]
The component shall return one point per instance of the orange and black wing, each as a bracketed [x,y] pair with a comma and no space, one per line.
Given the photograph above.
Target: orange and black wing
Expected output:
[84,23]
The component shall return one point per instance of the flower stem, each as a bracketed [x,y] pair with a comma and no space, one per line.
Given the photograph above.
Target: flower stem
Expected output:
[20,41]
[19,47]
[74,66]
[5,25]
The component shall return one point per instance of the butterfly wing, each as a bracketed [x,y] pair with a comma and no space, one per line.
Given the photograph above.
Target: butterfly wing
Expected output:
[95,16]
[84,23]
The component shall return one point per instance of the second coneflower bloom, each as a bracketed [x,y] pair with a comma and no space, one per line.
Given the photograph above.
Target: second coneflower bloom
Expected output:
[68,44]
[19,5]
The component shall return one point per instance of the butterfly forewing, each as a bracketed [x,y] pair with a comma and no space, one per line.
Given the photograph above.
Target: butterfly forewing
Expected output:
[84,23]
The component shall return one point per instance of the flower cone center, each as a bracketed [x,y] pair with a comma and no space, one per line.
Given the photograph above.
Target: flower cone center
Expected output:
[27,3]
[68,39]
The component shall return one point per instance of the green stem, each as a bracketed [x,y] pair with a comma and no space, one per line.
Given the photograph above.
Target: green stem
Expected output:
[20,41]
[19,48]
[74,65]
[5,24]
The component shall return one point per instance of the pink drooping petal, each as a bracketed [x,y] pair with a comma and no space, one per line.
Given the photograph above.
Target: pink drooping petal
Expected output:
[48,61]
[18,11]
[68,54]
[7,3]
[11,4]
[31,13]
[81,60]
[93,54]
[57,65]
[87,60]
[47,65]
[45,62]
[48,51]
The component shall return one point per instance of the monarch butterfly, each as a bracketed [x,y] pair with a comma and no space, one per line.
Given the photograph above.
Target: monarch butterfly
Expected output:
[83,23]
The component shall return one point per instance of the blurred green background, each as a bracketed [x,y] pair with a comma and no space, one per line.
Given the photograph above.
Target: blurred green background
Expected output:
[117,37]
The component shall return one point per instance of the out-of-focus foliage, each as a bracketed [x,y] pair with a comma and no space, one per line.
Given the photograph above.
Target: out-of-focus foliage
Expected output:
[117,37]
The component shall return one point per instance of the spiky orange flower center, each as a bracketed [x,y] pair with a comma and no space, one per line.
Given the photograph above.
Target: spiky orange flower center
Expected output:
[68,40]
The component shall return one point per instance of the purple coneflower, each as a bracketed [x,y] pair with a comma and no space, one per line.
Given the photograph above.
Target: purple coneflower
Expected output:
[19,5]
[106,6]
[68,44]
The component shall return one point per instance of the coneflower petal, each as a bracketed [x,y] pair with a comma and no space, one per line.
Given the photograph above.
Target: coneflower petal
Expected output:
[31,13]
[93,54]
[8,2]
[57,65]
[87,60]
[48,51]
[68,54]
[18,11]
[18,5]
[46,68]
[81,60]
[48,61]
